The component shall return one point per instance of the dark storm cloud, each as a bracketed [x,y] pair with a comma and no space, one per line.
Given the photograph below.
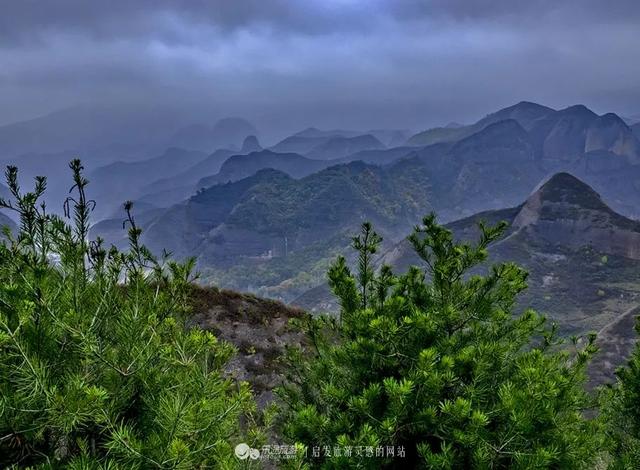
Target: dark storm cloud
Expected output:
[529,10]
[30,19]
[290,63]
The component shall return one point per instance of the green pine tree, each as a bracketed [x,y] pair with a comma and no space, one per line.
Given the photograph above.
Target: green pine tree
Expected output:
[620,405]
[434,362]
[97,369]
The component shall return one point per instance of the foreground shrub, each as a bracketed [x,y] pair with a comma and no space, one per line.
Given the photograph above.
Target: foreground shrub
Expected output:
[621,412]
[434,363]
[96,365]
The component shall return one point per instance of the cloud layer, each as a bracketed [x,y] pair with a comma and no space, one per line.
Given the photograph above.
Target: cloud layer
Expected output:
[286,64]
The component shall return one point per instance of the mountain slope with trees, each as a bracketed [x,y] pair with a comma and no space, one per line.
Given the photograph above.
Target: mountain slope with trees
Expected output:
[115,359]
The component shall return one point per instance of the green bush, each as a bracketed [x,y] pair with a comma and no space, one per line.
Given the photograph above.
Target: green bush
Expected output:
[435,361]
[97,369]
[621,412]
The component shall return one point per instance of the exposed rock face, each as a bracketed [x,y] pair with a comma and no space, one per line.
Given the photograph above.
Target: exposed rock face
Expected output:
[559,137]
[609,132]
[567,212]
[583,262]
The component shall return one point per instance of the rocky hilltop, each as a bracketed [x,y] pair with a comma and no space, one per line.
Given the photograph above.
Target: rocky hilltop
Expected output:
[583,258]
[567,212]
[258,328]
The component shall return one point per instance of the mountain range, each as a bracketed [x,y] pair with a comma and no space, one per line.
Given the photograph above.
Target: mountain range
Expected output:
[271,219]
[582,257]
[226,133]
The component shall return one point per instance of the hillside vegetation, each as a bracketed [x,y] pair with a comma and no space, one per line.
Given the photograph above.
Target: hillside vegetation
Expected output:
[96,366]
[115,359]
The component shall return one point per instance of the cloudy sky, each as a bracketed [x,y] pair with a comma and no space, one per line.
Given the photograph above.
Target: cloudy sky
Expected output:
[287,64]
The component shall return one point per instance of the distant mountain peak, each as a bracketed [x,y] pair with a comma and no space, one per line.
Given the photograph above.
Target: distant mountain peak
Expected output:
[530,105]
[314,132]
[225,133]
[507,130]
[578,110]
[251,144]
[564,187]
[525,113]
[565,200]
[613,118]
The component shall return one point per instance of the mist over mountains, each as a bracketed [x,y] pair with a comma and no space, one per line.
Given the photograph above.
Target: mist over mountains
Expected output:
[320,234]
[270,218]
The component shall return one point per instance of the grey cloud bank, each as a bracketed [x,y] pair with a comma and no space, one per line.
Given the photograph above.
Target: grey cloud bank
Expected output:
[332,63]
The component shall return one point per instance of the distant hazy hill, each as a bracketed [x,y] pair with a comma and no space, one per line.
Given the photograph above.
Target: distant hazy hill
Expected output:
[496,167]
[524,112]
[299,144]
[493,168]
[314,133]
[4,191]
[89,131]
[340,147]
[391,137]
[177,187]
[558,136]
[190,176]
[114,183]
[502,157]
[327,145]
[247,217]
[114,232]
[167,191]
[378,157]
[242,166]
[250,144]
[226,133]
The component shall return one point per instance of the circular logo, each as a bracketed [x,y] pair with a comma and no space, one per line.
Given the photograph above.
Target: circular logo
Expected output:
[242,451]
